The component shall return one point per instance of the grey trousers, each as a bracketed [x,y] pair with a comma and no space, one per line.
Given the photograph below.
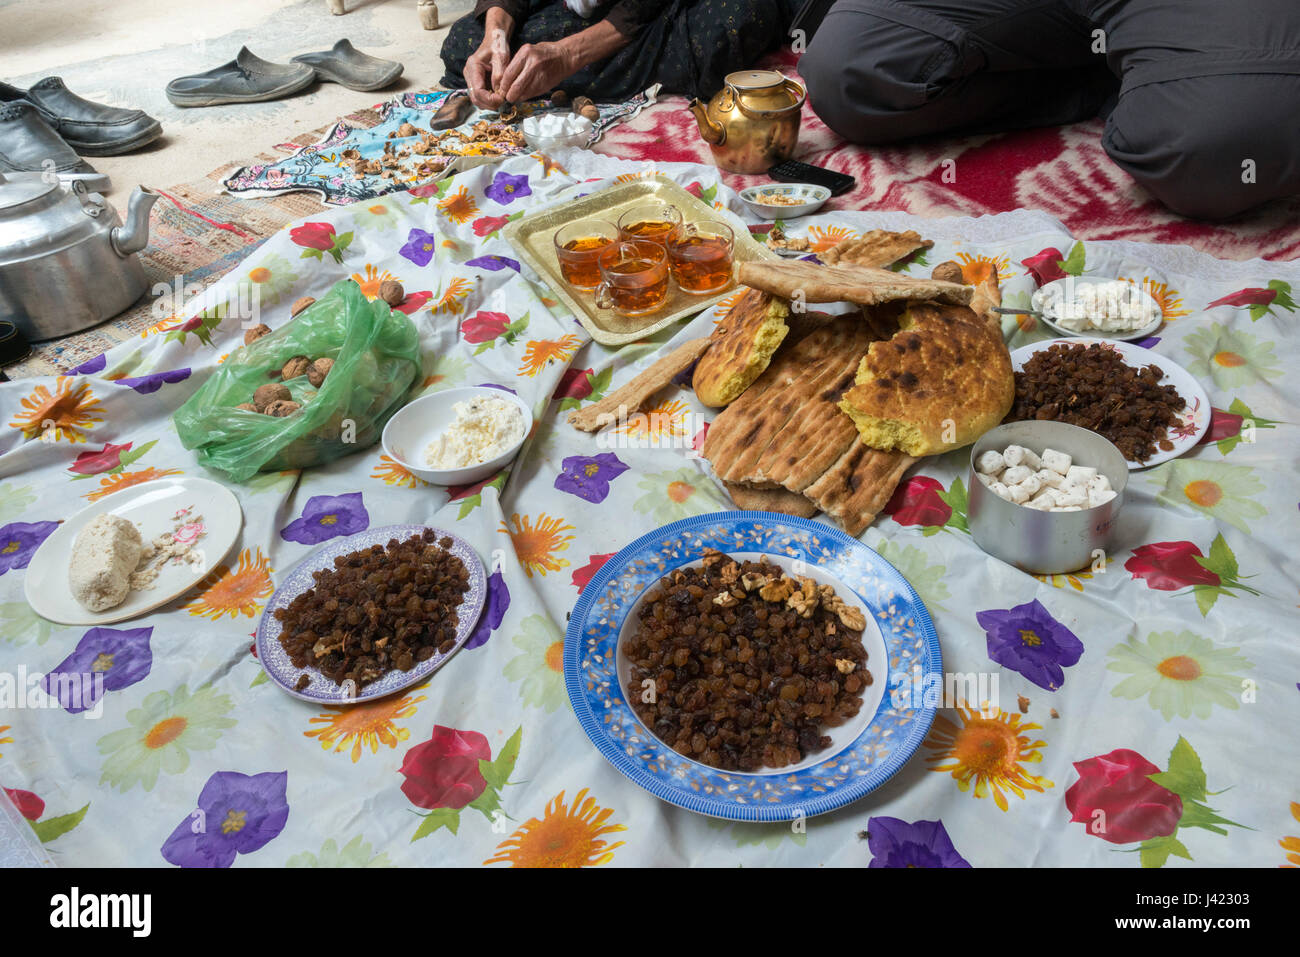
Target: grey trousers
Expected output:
[1201,97]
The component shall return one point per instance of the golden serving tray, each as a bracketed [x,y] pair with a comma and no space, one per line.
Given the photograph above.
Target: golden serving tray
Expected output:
[532,237]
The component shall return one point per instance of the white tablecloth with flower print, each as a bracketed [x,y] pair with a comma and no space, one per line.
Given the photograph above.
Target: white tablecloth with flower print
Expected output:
[1160,693]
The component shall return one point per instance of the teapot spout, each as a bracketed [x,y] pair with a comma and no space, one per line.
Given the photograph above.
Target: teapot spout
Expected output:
[133,235]
[712,132]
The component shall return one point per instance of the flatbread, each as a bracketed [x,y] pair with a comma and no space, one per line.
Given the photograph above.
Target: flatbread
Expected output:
[777,499]
[941,382]
[858,486]
[879,247]
[629,398]
[740,348]
[867,286]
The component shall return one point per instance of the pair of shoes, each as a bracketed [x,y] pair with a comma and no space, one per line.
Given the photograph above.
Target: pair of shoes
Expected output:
[30,145]
[249,79]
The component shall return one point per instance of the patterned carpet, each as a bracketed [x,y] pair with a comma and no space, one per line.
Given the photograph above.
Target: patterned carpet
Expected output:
[1061,171]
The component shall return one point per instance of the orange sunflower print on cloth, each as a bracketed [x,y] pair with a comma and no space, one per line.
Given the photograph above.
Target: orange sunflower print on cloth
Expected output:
[453,300]
[1289,844]
[539,353]
[459,206]
[987,752]
[665,420]
[371,280]
[392,472]
[108,484]
[364,725]
[1171,303]
[975,269]
[570,836]
[234,593]
[822,238]
[67,412]
[536,545]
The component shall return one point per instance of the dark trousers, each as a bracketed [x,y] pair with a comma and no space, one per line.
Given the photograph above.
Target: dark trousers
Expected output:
[1201,97]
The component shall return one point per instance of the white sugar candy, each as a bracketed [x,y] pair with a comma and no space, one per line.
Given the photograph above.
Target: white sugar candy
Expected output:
[985,479]
[1018,494]
[1019,455]
[1041,504]
[1015,475]
[1056,461]
[1045,498]
[1082,474]
[1030,484]
[1049,478]
[998,489]
[990,463]
[1071,496]
[1099,483]
[1099,496]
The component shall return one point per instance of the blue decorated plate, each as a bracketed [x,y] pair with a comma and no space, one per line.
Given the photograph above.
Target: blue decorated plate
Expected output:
[902,648]
[322,689]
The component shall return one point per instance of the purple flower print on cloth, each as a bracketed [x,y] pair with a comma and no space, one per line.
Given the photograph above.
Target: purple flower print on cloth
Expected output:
[236,814]
[494,610]
[588,476]
[91,366]
[106,659]
[19,541]
[420,247]
[1027,639]
[146,384]
[326,517]
[505,189]
[896,843]
[494,263]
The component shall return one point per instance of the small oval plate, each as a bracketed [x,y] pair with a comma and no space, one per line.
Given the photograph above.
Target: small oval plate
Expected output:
[799,199]
[1133,335]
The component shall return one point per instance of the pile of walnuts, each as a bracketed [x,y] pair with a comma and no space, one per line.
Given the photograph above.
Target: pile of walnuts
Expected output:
[275,399]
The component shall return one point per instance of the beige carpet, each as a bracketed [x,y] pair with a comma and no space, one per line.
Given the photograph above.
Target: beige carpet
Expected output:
[123,52]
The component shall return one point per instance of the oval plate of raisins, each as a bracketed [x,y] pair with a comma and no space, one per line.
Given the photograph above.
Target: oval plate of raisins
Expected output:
[752,666]
[370,614]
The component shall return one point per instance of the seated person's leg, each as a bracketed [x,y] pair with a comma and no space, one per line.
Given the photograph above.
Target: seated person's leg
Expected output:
[885,70]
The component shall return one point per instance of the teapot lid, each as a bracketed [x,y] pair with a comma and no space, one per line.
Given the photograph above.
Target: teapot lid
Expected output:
[752,80]
[19,188]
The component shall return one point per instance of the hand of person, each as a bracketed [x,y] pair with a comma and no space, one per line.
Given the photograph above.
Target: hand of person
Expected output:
[535,70]
[484,69]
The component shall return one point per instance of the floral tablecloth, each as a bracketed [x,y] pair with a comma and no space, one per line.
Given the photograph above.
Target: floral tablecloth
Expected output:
[1147,706]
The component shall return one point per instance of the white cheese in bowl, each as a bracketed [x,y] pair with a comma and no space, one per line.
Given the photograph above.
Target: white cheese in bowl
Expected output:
[1114,306]
[484,428]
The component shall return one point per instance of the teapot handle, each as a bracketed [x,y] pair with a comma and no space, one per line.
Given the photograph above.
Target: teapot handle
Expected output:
[787,84]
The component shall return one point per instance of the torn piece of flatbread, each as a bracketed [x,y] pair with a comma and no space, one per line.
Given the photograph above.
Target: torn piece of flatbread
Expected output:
[777,499]
[740,348]
[879,247]
[867,286]
[628,398]
[858,486]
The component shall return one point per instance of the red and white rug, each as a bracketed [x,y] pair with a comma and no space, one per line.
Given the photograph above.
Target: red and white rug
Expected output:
[1062,171]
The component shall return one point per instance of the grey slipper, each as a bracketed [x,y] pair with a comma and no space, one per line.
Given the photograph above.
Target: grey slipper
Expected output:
[245,79]
[30,145]
[346,65]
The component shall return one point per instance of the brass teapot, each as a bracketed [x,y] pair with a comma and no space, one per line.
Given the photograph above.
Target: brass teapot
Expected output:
[752,123]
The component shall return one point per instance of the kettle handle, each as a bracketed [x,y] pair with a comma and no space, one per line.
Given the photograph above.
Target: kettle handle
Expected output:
[787,84]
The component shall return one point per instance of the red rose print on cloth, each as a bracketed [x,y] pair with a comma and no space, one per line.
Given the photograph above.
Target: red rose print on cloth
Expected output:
[1045,267]
[1123,798]
[1171,566]
[924,502]
[454,770]
[582,576]
[320,238]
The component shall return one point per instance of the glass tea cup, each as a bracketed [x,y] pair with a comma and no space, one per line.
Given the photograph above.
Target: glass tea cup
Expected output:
[578,247]
[701,255]
[655,221]
[634,278]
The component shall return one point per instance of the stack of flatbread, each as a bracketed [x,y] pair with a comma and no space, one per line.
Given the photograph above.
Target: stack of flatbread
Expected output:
[826,413]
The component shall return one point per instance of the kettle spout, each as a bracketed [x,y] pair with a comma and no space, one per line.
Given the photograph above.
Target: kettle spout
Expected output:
[711,131]
[133,235]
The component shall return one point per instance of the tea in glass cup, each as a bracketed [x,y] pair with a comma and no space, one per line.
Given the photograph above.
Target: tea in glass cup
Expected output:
[634,278]
[578,247]
[658,222]
[701,257]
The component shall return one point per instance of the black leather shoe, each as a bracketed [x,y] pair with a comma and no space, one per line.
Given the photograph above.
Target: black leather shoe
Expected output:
[245,79]
[29,145]
[92,129]
[346,65]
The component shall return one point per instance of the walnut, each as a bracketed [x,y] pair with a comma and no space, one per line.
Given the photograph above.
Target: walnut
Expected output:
[730,573]
[751,580]
[849,616]
[805,600]
[318,370]
[559,98]
[406,129]
[777,590]
[247,407]
[271,392]
[392,292]
[300,304]
[845,666]
[255,333]
[725,599]
[948,272]
[295,367]
[580,101]
[711,557]
[282,407]
[590,112]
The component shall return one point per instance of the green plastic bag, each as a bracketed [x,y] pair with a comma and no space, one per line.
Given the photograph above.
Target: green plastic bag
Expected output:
[376,353]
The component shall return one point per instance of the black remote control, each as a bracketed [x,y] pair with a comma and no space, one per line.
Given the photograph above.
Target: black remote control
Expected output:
[792,171]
